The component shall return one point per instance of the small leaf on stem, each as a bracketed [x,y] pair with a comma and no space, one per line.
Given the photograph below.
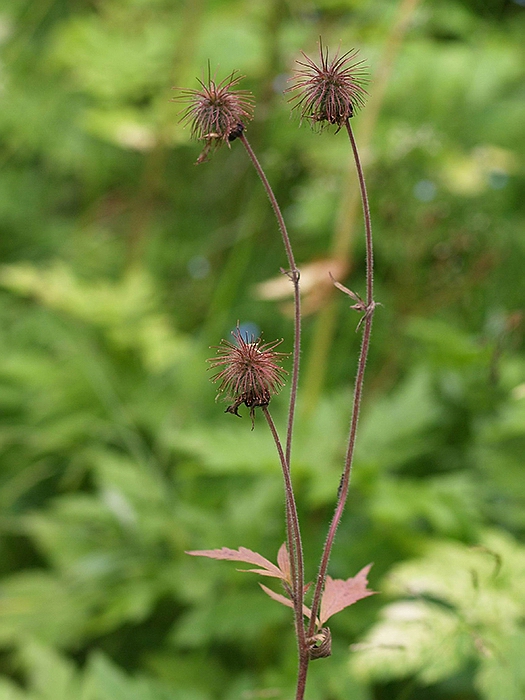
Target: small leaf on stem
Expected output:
[249,557]
[338,594]
[360,305]
[284,600]
[283,562]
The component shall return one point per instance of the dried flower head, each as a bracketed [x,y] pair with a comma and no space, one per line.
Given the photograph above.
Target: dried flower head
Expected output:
[250,372]
[217,113]
[332,91]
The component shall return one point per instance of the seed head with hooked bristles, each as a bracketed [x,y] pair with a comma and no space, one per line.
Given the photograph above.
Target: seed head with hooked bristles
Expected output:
[216,112]
[332,91]
[250,372]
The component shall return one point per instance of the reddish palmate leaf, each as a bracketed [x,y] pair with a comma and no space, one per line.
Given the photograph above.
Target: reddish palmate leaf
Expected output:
[284,600]
[244,555]
[283,562]
[338,594]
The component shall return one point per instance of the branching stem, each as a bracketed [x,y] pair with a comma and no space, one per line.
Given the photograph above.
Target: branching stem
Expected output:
[293,530]
[295,547]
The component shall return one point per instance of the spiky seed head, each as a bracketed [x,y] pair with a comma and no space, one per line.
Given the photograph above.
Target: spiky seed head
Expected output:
[249,371]
[332,91]
[216,112]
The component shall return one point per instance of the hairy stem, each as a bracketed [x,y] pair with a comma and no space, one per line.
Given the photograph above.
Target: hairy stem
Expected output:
[293,534]
[295,551]
[358,389]
[294,276]
[301,676]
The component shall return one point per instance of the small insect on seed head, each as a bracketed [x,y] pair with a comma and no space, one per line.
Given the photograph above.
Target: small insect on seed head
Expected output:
[216,112]
[331,92]
[249,371]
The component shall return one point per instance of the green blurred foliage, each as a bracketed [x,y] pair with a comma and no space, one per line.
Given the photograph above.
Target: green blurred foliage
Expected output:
[122,263]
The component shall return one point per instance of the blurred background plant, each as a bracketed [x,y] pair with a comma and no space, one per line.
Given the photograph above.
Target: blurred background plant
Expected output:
[122,263]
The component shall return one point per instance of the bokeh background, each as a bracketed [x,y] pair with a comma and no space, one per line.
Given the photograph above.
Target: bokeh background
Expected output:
[122,262]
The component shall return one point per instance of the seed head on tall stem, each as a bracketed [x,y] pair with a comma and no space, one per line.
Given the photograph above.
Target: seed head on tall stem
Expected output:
[216,112]
[218,115]
[331,91]
[249,371]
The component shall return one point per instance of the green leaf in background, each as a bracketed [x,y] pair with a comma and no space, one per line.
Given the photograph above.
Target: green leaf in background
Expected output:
[460,604]
[125,310]
[36,604]
[446,504]
[122,263]
[10,691]
[50,675]
[501,675]
[397,428]
[119,56]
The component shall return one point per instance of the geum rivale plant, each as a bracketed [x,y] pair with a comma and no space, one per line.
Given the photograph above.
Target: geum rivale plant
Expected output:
[249,372]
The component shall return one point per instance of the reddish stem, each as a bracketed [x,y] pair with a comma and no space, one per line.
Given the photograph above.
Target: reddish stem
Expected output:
[358,389]
[293,532]
[294,275]
[296,552]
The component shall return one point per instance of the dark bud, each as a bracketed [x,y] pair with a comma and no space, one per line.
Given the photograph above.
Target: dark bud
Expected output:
[236,132]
